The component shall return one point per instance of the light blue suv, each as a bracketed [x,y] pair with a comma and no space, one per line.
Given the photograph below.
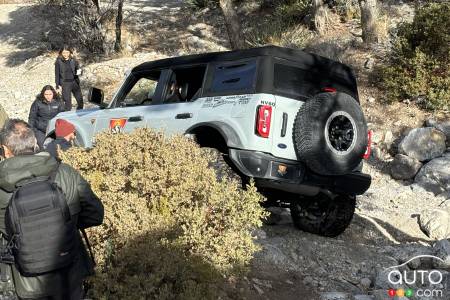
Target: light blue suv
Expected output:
[289,119]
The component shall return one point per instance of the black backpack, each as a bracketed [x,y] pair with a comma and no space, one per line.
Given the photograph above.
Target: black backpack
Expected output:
[40,228]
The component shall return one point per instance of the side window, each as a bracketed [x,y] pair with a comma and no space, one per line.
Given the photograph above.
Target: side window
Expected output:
[185,84]
[142,92]
[234,77]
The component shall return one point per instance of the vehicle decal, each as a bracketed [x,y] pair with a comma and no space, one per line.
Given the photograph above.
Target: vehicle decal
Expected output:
[212,102]
[116,125]
[93,121]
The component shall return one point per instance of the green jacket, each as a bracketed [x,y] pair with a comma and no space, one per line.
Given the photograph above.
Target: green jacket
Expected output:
[83,204]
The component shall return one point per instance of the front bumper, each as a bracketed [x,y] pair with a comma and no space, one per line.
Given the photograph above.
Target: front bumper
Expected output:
[292,176]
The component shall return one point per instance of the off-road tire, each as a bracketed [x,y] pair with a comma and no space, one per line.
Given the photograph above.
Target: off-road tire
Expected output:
[336,214]
[330,133]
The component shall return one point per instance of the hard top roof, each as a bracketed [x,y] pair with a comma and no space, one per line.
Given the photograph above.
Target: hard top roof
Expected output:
[274,51]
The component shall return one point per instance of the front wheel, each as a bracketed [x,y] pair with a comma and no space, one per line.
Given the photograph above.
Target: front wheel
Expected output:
[325,214]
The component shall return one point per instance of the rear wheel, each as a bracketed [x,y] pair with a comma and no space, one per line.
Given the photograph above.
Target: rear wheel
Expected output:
[325,214]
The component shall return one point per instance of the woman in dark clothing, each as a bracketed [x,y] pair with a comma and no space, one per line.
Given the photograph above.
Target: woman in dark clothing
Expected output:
[46,106]
[67,70]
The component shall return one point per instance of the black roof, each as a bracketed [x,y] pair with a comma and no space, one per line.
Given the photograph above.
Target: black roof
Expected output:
[274,51]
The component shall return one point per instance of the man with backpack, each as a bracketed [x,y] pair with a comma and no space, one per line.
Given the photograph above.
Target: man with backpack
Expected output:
[43,204]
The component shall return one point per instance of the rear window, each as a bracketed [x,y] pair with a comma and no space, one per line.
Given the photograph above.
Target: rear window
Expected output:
[239,76]
[299,83]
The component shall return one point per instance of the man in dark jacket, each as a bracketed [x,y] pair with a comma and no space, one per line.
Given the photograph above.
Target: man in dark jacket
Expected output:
[22,162]
[65,135]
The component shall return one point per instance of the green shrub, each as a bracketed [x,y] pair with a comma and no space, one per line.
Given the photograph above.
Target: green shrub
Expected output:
[276,32]
[418,68]
[346,9]
[171,229]
[292,10]
[284,27]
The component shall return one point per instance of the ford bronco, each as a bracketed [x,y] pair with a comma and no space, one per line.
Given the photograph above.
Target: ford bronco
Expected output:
[289,119]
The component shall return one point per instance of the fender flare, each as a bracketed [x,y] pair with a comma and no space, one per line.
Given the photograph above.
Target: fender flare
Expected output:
[228,133]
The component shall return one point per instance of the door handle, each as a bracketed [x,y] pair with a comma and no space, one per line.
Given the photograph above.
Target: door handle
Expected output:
[135,119]
[183,116]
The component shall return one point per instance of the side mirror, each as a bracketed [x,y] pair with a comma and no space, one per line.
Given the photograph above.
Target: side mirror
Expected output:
[96,97]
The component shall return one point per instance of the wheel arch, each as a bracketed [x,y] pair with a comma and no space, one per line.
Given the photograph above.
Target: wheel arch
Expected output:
[215,135]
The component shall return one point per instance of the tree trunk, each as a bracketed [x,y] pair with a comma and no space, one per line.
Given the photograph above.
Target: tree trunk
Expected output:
[119,18]
[320,16]
[232,23]
[97,5]
[369,16]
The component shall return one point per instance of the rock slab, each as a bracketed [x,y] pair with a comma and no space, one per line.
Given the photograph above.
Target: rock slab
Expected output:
[435,175]
[435,223]
[423,144]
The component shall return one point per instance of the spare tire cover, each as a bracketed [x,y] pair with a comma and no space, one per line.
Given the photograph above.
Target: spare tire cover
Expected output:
[330,133]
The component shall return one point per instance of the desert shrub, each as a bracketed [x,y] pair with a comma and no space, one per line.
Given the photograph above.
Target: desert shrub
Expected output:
[80,24]
[275,32]
[73,22]
[170,227]
[283,27]
[418,68]
[292,10]
[346,9]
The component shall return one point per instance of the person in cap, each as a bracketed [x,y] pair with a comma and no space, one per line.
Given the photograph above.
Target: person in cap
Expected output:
[65,135]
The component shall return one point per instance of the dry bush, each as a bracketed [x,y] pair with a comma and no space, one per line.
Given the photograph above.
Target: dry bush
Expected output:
[73,22]
[277,33]
[418,67]
[170,227]
[78,23]
[346,9]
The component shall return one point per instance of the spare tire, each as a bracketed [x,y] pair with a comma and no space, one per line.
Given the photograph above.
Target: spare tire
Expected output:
[330,133]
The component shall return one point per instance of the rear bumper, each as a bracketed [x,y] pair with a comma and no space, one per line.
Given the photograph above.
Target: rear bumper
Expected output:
[293,176]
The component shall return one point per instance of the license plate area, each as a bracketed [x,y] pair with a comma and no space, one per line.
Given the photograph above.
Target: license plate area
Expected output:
[285,171]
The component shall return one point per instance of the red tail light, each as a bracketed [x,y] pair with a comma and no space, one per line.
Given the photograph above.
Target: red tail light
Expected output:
[263,117]
[366,155]
[329,90]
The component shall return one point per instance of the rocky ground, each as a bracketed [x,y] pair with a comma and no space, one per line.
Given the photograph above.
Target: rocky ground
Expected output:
[292,264]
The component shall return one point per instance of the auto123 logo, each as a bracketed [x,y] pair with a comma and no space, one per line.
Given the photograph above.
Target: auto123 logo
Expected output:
[419,284]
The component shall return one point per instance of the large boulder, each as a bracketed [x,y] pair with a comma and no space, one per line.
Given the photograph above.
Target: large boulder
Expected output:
[404,167]
[435,175]
[423,143]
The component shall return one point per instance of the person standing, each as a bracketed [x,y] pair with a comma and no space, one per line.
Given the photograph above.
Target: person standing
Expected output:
[67,70]
[46,106]
[23,164]
[65,135]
